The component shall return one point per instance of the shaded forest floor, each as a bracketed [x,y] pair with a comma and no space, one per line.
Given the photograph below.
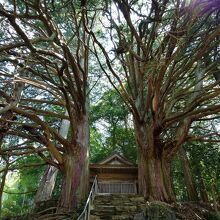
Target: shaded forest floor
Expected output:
[154,211]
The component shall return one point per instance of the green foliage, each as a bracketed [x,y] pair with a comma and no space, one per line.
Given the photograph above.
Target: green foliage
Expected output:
[205,163]
[97,150]
[178,180]
[212,216]
[111,129]
[205,159]
[110,108]
[21,187]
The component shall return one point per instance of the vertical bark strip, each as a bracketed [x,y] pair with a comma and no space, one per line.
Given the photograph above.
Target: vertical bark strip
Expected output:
[47,183]
[188,176]
[46,186]
[202,187]
[3,179]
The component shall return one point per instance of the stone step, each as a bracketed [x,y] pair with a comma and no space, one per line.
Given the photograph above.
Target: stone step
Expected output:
[122,217]
[118,199]
[95,217]
[113,201]
[116,206]
[113,217]
[117,203]
[122,209]
[107,209]
[103,210]
[115,196]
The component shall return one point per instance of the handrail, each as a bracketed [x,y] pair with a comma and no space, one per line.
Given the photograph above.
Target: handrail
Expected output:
[86,211]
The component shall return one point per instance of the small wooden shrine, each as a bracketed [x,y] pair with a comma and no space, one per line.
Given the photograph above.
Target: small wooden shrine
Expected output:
[115,174]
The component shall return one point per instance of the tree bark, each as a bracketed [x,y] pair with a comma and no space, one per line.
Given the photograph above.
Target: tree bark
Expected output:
[202,187]
[154,177]
[47,183]
[190,185]
[3,179]
[76,169]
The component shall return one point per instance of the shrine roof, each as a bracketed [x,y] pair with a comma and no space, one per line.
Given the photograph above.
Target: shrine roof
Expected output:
[115,160]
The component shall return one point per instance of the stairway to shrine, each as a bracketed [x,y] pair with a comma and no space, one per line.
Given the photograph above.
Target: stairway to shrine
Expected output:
[116,206]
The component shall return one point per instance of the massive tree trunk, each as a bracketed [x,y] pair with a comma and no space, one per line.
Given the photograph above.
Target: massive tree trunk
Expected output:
[190,185]
[154,178]
[153,166]
[75,168]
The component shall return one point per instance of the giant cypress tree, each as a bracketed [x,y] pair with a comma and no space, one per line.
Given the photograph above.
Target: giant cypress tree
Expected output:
[163,57]
[45,47]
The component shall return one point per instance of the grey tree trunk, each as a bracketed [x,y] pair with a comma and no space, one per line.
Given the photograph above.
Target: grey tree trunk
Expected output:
[2,184]
[47,183]
[202,187]
[190,185]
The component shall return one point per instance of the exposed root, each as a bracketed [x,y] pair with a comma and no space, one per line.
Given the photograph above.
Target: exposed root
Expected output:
[51,209]
[56,216]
